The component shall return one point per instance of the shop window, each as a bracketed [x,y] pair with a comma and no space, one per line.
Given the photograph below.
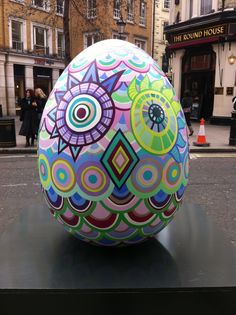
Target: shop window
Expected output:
[60,7]
[60,45]
[16,33]
[90,39]
[206,7]
[116,9]
[142,14]
[130,11]
[140,43]
[91,9]
[43,79]
[41,41]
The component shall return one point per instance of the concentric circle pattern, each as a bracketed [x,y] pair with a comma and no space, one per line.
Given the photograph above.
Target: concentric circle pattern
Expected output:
[113,154]
[82,119]
[153,118]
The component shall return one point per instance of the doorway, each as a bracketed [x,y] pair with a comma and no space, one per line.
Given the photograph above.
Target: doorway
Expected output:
[199,78]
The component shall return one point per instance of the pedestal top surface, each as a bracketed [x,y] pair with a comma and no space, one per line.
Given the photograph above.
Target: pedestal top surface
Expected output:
[37,253]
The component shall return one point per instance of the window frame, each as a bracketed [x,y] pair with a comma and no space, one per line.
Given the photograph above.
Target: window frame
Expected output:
[141,40]
[62,8]
[91,9]
[44,7]
[143,19]
[203,6]
[130,11]
[93,34]
[62,55]
[22,31]
[49,36]
[116,9]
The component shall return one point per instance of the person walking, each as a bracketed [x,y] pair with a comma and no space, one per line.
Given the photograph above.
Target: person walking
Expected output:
[29,117]
[186,103]
[41,99]
[234,102]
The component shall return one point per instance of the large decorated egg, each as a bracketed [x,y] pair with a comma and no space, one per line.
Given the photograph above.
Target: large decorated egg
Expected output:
[113,149]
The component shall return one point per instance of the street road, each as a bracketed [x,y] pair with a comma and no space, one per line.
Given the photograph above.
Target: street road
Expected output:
[212,185]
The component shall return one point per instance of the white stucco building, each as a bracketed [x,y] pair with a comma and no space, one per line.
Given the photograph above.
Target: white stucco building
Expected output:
[202,44]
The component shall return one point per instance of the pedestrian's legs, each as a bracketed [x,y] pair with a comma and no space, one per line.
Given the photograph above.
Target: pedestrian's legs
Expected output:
[27,141]
[32,140]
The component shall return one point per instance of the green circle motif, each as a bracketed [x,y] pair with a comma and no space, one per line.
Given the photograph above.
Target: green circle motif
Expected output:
[154,122]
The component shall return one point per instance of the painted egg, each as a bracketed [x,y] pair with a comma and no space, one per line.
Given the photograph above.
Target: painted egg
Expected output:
[113,147]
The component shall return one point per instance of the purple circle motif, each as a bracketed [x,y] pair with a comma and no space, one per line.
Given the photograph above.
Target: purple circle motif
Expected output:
[84,115]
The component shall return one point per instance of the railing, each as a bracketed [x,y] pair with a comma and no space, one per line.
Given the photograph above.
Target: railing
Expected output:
[91,13]
[41,50]
[116,13]
[18,46]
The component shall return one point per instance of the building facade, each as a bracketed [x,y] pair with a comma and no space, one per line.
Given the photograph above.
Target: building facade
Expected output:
[202,44]
[31,48]
[161,17]
[95,20]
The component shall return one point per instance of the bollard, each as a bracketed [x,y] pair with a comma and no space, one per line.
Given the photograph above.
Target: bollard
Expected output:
[232,137]
[7,133]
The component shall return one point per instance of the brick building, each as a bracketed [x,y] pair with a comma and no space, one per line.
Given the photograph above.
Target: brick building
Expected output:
[95,20]
[31,48]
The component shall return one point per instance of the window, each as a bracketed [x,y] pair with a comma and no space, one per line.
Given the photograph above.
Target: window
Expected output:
[119,36]
[40,4]
[140,43]
[166,4]
[41,40]
[116,9]
[60,7]
[206,6]
[60,44]
[142,19]
[130,10]
[16,33]
[91,9]
[190,8]
[165,23]
[90,39]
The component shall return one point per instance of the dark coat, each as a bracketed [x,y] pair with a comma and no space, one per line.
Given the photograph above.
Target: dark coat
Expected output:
[41,104]
[29,118]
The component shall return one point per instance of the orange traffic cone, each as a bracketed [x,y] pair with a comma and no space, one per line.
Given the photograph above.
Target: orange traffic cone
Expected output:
[201,137]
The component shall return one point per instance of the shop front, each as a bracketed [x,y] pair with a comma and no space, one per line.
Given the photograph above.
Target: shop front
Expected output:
[21,72]
[200,51]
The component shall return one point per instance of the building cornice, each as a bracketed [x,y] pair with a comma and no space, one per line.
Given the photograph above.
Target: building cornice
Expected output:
[206,20]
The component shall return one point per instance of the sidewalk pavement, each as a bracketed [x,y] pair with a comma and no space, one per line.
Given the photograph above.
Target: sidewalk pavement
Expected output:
[216,135]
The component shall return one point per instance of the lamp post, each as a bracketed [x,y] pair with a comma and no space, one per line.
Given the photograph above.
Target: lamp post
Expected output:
[121,26]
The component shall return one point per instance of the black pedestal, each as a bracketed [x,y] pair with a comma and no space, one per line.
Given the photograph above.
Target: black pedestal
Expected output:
[189,267]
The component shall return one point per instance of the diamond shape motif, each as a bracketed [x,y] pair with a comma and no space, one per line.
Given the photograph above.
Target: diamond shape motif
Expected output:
[119,159]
